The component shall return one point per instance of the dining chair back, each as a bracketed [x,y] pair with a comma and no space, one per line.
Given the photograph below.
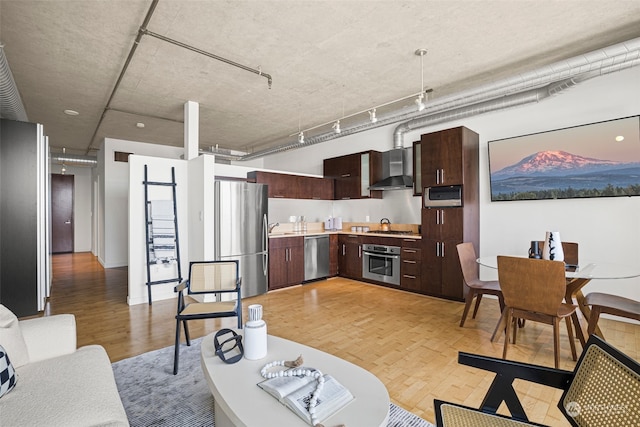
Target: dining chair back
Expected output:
[570,250]
[218,287]
[602,390]
[476,287]
[534,289]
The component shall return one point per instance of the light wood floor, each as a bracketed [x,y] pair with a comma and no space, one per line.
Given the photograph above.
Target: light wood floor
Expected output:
[409,341]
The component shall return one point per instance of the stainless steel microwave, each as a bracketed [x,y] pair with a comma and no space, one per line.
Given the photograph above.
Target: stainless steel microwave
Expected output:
[442,196]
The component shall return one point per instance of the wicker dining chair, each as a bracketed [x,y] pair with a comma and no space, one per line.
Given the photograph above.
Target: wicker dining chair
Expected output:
[477,287]
[213,279]
[534,289]
[602,390]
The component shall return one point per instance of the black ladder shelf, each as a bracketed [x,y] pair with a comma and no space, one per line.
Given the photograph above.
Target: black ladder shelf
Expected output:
[165,242]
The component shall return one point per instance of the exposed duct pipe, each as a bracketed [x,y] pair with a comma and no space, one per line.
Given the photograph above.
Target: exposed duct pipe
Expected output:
[11,106]
[507,93]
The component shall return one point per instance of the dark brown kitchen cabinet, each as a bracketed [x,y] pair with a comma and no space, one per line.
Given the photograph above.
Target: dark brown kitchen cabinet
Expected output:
[417,168]
[286,261]
[286,186]
[350,256]
[354,173]
[449,157]
[333,255]
[315,188]
[410,265]
[445,156]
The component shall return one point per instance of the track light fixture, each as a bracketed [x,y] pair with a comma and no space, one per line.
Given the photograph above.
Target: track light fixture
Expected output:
[420,100]
[372,116]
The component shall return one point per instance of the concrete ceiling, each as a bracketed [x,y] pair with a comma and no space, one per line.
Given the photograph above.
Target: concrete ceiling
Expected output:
[328,59]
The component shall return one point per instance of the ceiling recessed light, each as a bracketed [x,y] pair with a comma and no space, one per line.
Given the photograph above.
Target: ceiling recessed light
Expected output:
[71,112]
[140,125]
[619,138]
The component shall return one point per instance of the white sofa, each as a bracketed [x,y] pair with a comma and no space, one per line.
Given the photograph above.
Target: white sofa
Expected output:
[57,384]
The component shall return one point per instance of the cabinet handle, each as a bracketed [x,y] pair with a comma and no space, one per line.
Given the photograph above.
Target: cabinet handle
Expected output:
[406,261]
[408,276]
[442,175]
[346,198]
[437,176]
[410,251]
[343,249]
[442,249]
[345,175]
[359,251]
[437,249]
[441,216]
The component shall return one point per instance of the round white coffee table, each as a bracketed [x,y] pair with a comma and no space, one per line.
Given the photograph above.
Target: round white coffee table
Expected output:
[240,402]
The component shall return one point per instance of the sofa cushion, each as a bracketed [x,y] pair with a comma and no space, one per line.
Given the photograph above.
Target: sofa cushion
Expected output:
[11,337]
[77,389]
[7,373]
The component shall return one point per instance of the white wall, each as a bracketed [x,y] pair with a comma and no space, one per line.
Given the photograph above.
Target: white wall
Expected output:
[82,204]
[114,196]
[158,170]
[607,229]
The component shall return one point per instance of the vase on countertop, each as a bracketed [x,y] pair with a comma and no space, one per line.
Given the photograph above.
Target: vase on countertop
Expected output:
[552,249]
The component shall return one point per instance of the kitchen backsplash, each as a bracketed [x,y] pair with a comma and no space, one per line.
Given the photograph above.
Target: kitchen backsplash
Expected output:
[400,206]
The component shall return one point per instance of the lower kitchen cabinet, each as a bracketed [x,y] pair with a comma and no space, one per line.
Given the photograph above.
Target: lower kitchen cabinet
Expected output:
[286,261]
[333,255]
[410,265]
[441,269]
[350,256]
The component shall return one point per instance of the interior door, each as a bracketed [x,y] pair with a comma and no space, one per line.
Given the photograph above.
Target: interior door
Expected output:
[61,213]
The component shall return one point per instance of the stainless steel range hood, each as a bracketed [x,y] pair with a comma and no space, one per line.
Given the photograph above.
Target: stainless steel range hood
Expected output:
[397,165]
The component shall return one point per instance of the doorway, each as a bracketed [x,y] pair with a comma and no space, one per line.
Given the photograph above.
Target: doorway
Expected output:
[61,213]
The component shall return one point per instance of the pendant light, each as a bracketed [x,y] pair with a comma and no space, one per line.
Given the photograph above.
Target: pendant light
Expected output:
[420,99]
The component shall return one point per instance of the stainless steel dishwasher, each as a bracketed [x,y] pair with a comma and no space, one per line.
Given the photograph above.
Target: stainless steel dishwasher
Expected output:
[316,257]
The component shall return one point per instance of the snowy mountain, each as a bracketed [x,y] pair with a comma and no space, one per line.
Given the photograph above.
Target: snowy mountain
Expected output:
[557,163]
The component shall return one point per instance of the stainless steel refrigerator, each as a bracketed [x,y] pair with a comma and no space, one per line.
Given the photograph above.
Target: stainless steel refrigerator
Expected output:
[241,231]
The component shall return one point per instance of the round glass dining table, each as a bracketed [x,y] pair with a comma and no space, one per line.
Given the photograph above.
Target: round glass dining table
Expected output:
[577,278]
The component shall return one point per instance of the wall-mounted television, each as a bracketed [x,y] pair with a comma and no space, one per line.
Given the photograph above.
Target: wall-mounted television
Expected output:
[593,160]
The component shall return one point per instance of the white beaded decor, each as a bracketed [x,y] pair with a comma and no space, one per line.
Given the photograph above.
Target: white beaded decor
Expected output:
[297,372]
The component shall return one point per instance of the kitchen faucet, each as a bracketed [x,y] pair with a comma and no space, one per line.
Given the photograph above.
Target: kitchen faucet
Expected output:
[273,225]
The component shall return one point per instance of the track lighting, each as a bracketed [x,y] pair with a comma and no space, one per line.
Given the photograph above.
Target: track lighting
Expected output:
[335,124]
[372,116]
[64,169]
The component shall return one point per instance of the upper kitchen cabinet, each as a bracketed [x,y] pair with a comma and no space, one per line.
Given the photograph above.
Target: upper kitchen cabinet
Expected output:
[286,186]
[449,156]
[354,173]
[417,168]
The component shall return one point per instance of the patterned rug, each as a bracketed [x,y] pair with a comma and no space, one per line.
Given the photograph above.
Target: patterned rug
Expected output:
[153,396]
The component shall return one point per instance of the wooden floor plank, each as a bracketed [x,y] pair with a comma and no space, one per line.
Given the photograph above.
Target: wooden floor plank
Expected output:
[409,341]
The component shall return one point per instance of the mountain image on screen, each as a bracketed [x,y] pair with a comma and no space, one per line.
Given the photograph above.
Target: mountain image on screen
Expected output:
[559,174]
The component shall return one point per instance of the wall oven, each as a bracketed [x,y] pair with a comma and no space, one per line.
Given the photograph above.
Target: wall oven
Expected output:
[381,263]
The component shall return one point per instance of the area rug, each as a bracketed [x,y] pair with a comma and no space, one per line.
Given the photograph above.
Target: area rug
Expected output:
[153,396]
